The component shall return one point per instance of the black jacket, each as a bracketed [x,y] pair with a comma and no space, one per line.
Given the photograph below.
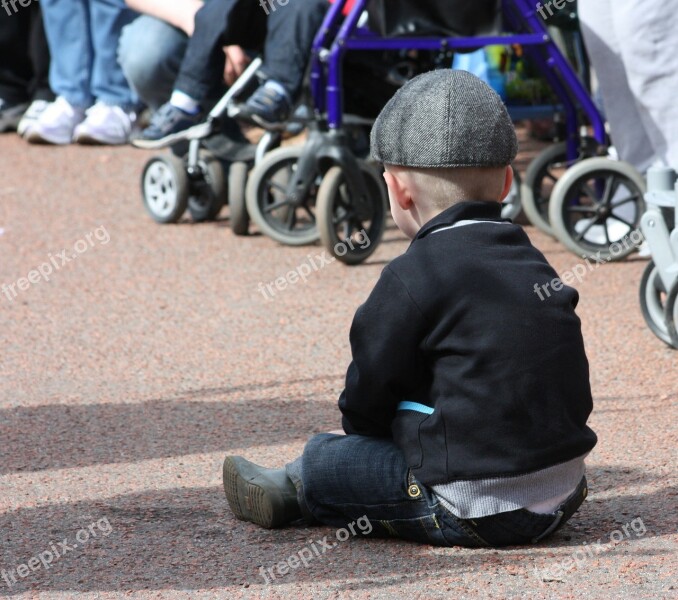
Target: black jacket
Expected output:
[456,357]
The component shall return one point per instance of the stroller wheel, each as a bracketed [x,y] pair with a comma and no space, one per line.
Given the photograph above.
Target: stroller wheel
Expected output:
[165,188]
[512,204]
[282,216]
[208,192]
[351,231]
[654,302]
[237,181]
[595,208]
[542,175]
[671,315]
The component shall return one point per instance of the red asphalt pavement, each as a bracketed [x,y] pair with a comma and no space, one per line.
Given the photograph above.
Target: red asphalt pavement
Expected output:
[128,376]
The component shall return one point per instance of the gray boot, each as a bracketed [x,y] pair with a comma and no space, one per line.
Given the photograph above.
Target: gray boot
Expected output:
[263,496]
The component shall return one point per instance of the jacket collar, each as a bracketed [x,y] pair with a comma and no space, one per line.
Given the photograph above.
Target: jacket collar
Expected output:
[479,211]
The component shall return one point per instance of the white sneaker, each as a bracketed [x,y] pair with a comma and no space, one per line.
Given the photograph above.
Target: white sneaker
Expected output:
[56,124]
[31,115]
[104,124]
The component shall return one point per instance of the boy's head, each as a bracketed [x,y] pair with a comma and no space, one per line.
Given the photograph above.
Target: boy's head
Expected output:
[445,137]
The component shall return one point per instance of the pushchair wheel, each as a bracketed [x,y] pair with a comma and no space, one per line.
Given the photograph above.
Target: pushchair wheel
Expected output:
[542,175]
[349,230]
[165,188]
[281,215]
[512,204]
[208,189]
[237,182]
[595,208]
[654,301]
[671,315]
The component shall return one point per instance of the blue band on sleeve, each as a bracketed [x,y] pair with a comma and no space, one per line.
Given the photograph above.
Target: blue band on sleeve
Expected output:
[415,406]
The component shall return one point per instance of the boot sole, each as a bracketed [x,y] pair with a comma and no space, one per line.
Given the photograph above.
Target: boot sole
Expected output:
[249,502]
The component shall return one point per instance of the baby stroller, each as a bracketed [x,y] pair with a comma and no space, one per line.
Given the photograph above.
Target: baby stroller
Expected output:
[325,188]
[659,284]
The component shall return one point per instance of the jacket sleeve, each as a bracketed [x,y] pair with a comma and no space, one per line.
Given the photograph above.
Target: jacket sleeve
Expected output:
[386,337]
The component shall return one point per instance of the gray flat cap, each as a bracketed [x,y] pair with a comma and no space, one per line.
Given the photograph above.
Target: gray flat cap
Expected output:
[442,119]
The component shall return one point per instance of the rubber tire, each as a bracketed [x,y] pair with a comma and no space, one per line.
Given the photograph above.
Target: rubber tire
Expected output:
[671,316]
[562,189]
[512,210]
[533,176]
[176,168]
[651,306]
[214,178]
[327,195]
[237,182]
[254,183]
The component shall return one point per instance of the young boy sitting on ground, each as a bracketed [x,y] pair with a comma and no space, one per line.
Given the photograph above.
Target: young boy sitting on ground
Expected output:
[466,403]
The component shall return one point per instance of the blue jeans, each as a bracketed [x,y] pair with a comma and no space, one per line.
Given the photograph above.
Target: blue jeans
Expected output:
[342,478]
[150,54]
[83,40]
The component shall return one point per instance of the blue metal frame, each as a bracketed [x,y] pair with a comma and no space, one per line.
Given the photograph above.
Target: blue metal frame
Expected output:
[520,16]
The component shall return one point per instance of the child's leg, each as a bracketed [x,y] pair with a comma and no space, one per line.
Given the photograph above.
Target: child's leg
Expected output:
[343,478]
[288,42]
[217,24]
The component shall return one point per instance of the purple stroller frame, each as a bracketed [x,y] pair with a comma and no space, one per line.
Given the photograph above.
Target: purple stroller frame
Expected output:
[326,68]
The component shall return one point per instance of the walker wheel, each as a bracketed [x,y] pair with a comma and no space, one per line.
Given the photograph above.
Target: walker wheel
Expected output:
[595,208]
[278,212]
[671,315]
[654,301]
[512,204]
[237,182]
[349,231]
[165,188]
[208,191]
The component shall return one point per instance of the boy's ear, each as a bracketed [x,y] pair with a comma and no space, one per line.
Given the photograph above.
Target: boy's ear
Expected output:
[398,190]
[508,182]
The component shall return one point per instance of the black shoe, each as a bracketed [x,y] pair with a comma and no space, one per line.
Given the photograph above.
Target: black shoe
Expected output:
[268,107]
[167,126]
[263,496]
[10,115]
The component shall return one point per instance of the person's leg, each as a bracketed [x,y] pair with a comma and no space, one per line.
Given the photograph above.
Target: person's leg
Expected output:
[650,57]
[39,54]
[38,89]
[343,478]
[66,25]
[599,27]
[150,54]
[289,39]
[15,67]
[108,83]
[68,35]
[291,30]
[218,23]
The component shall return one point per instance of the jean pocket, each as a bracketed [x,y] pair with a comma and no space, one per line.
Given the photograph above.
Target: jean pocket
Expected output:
[425,529]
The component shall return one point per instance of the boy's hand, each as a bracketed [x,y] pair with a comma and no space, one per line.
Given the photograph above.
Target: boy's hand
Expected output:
[236,63]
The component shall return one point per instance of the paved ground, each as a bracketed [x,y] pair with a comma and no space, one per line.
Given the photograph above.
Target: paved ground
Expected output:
[126,378]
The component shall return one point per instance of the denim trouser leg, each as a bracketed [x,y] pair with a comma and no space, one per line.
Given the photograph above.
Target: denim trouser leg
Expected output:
[291,30]
[108,83]
[343,478]
[150,54]
[218,23]
[68,34]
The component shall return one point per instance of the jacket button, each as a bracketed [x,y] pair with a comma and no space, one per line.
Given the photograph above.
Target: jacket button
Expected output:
[413,491]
